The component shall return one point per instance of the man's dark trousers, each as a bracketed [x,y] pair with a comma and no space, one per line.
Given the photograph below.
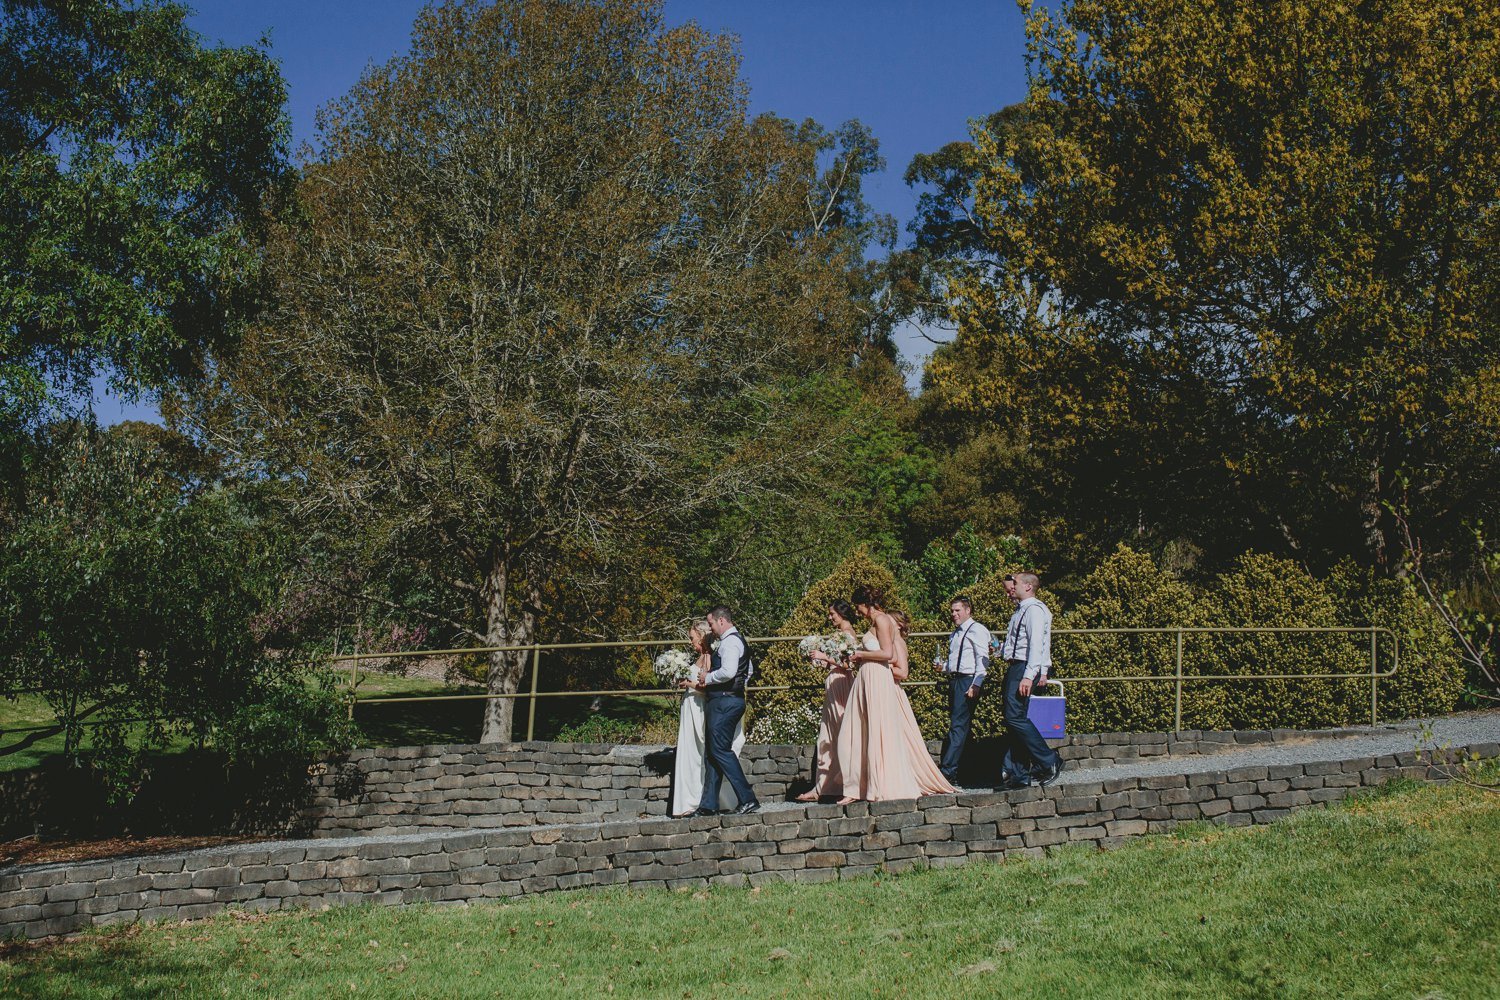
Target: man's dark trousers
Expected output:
[1029,754]
[722,711]
[960,715]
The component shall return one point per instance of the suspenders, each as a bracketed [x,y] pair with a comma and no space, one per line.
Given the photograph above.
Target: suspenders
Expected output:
[961,644]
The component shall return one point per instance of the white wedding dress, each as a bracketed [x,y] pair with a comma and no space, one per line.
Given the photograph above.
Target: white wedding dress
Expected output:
[692,755]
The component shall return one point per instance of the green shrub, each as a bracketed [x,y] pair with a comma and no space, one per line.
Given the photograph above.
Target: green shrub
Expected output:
[1430,675]
[790,724]
[599,728]
[1129,590]
[1275,593]
[782,664]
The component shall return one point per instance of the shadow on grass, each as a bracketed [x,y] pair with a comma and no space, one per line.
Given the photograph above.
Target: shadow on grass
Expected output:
[118,964]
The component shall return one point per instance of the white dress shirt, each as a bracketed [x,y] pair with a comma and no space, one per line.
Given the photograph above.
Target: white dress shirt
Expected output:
[969,651]
[1029,637]
[729,658]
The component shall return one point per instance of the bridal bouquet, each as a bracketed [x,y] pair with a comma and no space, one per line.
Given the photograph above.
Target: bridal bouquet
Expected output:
[675,665]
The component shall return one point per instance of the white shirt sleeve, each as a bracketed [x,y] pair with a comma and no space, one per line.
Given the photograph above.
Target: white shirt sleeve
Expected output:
[979,641]
[1038,625]
[729,659]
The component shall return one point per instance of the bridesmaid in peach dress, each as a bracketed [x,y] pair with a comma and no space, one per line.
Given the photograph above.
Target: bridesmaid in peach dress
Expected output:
[829,779]
[880,746]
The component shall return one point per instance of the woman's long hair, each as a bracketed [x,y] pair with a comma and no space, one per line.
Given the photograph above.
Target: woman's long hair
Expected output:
[870,595]
[698,637]
[903,623]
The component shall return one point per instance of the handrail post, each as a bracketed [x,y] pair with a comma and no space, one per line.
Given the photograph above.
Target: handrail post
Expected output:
[536,663]
[1374,679]
[1177,717]
[353,677]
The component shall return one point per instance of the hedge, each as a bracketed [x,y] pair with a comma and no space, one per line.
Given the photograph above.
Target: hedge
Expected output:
[1128,590]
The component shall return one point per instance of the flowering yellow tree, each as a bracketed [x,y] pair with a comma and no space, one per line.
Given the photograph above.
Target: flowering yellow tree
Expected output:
[1232,268]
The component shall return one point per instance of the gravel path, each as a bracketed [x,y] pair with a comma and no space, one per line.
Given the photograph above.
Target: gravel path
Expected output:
[1464,729]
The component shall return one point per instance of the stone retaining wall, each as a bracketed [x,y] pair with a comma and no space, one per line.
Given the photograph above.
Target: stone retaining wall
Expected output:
[525,784]
[816,843]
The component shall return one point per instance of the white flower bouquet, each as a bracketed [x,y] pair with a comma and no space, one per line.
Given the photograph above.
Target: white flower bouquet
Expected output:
[675,665]
[839,646]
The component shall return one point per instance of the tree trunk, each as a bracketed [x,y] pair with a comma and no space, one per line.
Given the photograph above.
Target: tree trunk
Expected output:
[1373,519]
[505,625]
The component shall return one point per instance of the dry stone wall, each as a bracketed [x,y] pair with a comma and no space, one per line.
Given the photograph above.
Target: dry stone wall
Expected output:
[525,784]
[816,843]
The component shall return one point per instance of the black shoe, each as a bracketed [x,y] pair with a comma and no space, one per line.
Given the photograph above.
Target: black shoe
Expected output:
[1009,783]
[1051,774]
[700,811]
[746,807]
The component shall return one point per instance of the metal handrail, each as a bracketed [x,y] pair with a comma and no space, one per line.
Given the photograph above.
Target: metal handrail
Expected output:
[1179,677]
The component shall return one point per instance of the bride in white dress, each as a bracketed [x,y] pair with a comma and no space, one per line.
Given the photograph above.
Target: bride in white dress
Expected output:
[690,769]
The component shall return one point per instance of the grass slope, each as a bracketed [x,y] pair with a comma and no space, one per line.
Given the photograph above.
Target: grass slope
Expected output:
[1391,896]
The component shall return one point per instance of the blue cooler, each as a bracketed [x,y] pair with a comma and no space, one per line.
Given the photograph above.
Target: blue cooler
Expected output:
[1049,713]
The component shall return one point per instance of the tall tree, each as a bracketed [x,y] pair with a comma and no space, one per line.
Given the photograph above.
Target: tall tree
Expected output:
[134,163]
[550,292]
[1240,269]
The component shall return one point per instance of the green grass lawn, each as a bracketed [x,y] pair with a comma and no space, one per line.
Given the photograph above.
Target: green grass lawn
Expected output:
[1393,896]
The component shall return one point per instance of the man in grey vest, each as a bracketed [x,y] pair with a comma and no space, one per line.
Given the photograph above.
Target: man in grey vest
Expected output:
[723,687]
[966,664]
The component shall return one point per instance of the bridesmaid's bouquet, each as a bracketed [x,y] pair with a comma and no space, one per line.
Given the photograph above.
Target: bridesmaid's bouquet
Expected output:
[838,646]
[675,665]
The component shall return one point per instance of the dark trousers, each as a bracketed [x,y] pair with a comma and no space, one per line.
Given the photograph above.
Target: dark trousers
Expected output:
[1028,755]
[960,715]
[722,711]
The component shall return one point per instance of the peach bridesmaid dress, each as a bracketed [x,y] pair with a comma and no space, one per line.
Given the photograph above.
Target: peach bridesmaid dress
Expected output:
[880,746]
[830,779]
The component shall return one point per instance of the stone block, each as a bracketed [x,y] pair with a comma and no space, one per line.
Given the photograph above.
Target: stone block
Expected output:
[213,878]
[991,813]
[70,891]
[262,873]
[1014,827]
[183,897]
[1288,800]
[898,821]
[850,826]
[1125,828]
[886,807]
[926,833]
[1045,838]
[952,815]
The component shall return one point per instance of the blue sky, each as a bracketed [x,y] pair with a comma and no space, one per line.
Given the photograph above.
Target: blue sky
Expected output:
[916,73]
